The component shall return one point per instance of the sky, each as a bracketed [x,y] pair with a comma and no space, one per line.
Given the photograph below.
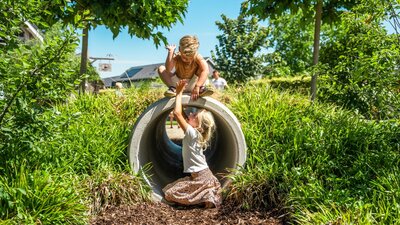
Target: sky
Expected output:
[130,51]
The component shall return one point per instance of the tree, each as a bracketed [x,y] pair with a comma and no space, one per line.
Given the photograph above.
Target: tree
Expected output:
[361,64]
[394,18]
[36,75]
[327,11]
[239,45]
[33,74]
[143,18]
[292,42]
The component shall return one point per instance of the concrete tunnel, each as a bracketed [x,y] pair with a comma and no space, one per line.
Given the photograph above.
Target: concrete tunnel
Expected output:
[150,144]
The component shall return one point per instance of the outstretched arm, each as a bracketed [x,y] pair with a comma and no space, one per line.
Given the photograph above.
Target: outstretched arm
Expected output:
[178,111]
[169,62]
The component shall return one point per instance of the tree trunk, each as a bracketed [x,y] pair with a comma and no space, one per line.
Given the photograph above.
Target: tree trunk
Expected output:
[84,57]
[318,15]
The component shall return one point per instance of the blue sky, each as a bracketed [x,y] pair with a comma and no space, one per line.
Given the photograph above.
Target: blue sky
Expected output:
[131,51]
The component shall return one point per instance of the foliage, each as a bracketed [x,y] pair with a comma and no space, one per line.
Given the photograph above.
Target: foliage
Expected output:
[276,66]
[142,18]
[292,42]
[83,141]
[394,16]
[108,188]
[33,197]
[327,11]
[91,73]
[272,9]
[13,15]
[295,84]
[239,45]
[361,66]
[316,163]
[34,75]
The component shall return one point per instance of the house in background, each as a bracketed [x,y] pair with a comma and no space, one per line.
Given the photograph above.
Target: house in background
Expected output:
[28,32]
[134,75]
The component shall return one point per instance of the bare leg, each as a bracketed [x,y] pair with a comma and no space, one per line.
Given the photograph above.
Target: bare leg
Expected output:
[165,76]
[171,118]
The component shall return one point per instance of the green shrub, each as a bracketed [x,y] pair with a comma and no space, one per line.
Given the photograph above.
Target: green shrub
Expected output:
[315,158]
[361,69]
[85,138]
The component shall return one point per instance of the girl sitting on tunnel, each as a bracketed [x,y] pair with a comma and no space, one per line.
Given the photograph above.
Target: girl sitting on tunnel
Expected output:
[201,187]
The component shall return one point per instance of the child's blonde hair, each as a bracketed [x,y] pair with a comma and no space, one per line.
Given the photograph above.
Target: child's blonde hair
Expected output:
[206,127]
[188,45]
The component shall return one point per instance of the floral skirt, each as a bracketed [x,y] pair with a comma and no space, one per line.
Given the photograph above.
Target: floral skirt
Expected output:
[200,188]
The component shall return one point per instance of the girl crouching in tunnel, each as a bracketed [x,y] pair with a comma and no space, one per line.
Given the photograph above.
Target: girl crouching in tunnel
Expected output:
[201,187]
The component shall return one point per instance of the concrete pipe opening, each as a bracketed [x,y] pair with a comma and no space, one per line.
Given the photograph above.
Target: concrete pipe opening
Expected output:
[150,143]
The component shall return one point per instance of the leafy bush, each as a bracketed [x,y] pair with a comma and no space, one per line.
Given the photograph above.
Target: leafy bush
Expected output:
[83,141]
[316,162]
[361,68]
[276,66]
[295,85]
[33,77]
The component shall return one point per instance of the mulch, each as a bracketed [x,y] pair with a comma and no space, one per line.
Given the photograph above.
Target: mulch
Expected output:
[161,213]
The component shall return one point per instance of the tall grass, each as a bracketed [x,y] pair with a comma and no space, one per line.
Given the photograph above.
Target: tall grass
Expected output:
[78,165]
[95,131]
[316,162]
[41,197]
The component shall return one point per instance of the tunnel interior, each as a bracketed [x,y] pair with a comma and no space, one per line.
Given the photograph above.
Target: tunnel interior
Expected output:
[164,155]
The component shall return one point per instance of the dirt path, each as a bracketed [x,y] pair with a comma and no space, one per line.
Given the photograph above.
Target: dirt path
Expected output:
[159,213]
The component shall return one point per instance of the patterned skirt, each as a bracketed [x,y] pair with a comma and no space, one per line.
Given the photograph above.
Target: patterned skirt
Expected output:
[200,188]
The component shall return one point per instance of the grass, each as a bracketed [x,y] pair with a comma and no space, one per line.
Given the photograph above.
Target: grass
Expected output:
[315,163]
[41,197]
[80,162]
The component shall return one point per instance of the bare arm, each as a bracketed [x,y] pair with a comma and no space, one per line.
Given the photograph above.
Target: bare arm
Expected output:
[202,76]
[226,84]
[170,61]
[178,112]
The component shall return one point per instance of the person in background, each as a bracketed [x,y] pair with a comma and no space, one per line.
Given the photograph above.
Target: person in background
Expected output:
[187,64]
[171,119]
[201,187]
[118,89]
[218,82]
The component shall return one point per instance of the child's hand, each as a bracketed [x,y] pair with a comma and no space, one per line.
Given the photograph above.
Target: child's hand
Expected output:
[170,48]
[195,93]
[180,86]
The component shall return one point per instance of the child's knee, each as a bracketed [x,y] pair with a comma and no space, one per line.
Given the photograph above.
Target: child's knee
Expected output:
[161,70]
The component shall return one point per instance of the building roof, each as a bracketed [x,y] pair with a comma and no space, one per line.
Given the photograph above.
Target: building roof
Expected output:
[33,31]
